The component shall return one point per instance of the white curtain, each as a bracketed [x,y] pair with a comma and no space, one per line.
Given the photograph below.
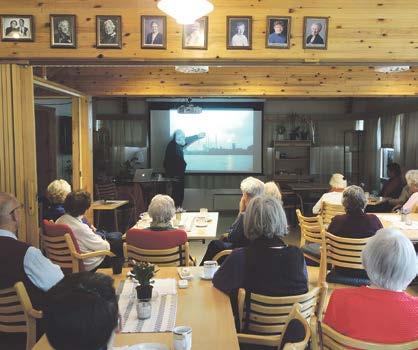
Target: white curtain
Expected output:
[399,140]
[410,148]
[372,153]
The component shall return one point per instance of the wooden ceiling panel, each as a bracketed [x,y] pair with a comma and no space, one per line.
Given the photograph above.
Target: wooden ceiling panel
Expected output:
[280,81]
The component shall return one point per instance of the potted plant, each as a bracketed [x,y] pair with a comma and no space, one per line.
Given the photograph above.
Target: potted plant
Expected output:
[144,272]
[294,134]
[280,131]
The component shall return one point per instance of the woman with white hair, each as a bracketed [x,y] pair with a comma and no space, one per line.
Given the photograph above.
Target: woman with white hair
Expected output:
[271,188]
[412,203]
[56,193]
[382,312]
[161,234]
[235,238]
[267,266]
[338,183]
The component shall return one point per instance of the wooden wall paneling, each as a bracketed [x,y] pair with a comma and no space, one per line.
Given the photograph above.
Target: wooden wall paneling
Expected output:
[359,30]
[270,81]
[18,149]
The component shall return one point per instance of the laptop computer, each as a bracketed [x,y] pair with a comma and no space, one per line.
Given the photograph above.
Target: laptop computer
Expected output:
[142,175]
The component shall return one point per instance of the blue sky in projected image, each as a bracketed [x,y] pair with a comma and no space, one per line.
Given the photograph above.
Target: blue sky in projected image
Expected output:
[222,127]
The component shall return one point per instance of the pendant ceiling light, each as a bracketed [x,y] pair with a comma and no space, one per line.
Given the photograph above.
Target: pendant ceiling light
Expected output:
[185,11]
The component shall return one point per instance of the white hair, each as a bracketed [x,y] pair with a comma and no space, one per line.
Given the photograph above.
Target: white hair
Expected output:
[264,217]
[161,209]
[390,260]
[252,187]
[354,199]
[272,189]
[338,181]
[58,190]
[411,177]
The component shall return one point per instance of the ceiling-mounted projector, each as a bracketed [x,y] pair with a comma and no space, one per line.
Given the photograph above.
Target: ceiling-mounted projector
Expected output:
[189,108]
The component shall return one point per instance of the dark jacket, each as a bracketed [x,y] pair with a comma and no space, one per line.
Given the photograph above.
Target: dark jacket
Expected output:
[174,163]
[157,41]
[318,40]
[236,233]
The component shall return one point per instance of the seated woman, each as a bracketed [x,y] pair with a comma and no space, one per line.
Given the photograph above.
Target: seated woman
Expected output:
[56,192]
[392,188]
[160,234]
[412,202]
[75,205]
[338,183]
[355,223]
[382,312]
[267,266]
[235,238]
[271,188]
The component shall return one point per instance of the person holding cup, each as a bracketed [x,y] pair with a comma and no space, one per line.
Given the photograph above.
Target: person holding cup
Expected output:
[267,266]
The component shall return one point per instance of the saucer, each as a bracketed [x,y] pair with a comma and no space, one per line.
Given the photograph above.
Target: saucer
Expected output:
[203,277]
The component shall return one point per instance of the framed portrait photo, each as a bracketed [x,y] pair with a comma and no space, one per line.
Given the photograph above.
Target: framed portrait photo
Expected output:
[17,28]
[315,33]
[109,32]
[278,32]
[63,31]
[153,32]
[195,36]
[239,32]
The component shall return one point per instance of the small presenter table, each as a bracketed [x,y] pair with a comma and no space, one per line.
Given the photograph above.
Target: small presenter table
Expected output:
[108,205]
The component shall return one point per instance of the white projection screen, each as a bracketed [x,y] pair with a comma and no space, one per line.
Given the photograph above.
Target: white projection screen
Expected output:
[232,144]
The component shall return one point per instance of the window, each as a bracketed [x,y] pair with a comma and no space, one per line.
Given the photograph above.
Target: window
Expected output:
[386,157]
[359,125]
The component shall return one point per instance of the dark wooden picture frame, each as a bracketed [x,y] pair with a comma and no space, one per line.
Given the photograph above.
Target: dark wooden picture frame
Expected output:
[275,40]
[192,42]
[234,39]
[14,33]
[160,40]
[321,39]
[60,39]
[112,40]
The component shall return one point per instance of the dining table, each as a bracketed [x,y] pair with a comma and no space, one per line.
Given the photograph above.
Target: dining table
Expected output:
[394,220]
[200,306]
[192,224]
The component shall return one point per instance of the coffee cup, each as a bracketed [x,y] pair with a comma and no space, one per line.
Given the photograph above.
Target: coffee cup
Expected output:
[117,264]
[209,268]
[203,212]
[182,338]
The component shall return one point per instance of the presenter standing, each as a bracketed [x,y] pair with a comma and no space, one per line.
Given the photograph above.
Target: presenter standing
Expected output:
[174,163]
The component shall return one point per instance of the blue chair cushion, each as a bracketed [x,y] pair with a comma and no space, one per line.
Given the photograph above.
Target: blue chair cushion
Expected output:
[336,277]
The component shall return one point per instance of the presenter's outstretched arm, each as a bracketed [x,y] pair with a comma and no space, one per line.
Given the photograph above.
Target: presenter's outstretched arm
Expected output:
[194,138]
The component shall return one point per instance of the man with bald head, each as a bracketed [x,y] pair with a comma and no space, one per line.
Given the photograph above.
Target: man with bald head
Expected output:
[18,260]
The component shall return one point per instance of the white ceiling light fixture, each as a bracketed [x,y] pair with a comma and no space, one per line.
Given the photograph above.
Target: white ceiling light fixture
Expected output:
[185,11]
[391,69]
[192,69]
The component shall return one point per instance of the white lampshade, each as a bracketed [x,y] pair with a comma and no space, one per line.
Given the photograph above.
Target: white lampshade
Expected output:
[185,11]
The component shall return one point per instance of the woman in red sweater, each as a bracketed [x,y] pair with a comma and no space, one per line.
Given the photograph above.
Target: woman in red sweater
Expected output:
[382,312]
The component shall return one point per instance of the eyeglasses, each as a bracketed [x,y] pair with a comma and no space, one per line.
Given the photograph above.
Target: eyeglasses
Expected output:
[17,208]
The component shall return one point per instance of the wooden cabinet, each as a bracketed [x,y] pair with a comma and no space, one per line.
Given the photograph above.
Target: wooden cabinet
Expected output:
[291,161]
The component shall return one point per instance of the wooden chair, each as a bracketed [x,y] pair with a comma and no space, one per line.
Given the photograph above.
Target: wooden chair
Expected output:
[62,248]
[329,210]
[341,252]
[333,340]
[222,254]
[109,191]
[269,316]
[176,256]
[311,229]
[17,314]
[415,209]
[296,315]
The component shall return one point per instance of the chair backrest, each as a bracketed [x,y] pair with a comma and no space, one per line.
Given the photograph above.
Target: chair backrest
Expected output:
[329,210]
[340,252]
[310,228]
[106,191]
[57,249]
[268,315]
[155,239]
[17,314]
[176,256]
[415,209]
[222,254]
[333,340]
[295,316]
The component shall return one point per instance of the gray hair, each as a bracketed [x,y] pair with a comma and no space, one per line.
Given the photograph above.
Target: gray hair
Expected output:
[161,209]
[272,189]
[252,187]
[318,24]
[411,177]
[354,199]
[390,260]
[264,217]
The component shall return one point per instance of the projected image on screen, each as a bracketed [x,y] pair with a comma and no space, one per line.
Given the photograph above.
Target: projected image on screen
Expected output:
[228,145]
